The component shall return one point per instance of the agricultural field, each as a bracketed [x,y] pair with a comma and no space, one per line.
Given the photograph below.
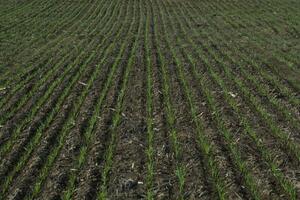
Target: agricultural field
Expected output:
[150,99]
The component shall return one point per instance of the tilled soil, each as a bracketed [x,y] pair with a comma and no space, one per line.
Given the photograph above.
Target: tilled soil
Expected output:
[180,99]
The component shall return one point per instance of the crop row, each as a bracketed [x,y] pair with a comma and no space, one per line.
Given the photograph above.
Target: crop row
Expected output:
[66,91]
[45,63]
[286,185]
[208,69]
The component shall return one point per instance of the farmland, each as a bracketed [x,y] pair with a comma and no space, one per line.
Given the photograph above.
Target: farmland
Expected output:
[150,99]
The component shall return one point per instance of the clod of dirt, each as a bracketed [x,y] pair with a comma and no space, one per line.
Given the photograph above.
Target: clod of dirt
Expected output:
[128,184]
